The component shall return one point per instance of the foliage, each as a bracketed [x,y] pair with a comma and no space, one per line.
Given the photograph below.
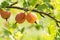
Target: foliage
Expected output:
[46,26]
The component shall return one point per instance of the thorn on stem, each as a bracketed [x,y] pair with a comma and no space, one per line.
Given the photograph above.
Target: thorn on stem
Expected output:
[36,5]
[57,24]
[42,15]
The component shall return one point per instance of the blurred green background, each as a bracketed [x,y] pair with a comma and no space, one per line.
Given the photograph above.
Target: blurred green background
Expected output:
[46,28]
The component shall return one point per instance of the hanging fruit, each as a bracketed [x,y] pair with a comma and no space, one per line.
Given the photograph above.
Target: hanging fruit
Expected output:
[5,14]
[20,18]
[31,17]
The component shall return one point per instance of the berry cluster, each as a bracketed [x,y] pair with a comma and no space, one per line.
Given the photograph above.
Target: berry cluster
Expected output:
[21,17]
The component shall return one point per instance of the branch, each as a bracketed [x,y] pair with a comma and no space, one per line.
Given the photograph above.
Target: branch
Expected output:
[46,15]
[38,11]
[25,9]
[49,16]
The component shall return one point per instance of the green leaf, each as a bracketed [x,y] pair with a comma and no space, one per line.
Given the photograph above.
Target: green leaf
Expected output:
[26,4]
[52,27]
[38,26]
[57,37]
[59,30]
[58,15]
[22,30]
[38,16]
[32,2]
[50,6]
[29,4]
[6,32]
[41,7]
[14,25]
[4,4]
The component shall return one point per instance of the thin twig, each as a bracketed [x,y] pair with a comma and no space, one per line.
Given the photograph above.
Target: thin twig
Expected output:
[57,24]
[14,3]
[42,15]
[18,8]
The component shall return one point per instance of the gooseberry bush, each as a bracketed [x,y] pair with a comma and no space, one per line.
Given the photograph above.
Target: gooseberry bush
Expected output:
[29,20]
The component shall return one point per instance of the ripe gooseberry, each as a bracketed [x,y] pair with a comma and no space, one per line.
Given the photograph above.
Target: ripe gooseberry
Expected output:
[20,18]
[5,14]
[31,17]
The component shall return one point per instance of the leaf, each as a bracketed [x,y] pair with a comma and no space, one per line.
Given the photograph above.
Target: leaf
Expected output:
[58,15]
[4,4]
[38,16]
[58,30]
[50,6]
[22,30]
[26,4]
[6,32]
[52,28]
[57,37]
[41,7]
[32,2]
[14,25]
[38,26]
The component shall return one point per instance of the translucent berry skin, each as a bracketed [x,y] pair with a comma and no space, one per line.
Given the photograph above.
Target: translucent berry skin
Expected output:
[20,18]
[5,14]
[31,18]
